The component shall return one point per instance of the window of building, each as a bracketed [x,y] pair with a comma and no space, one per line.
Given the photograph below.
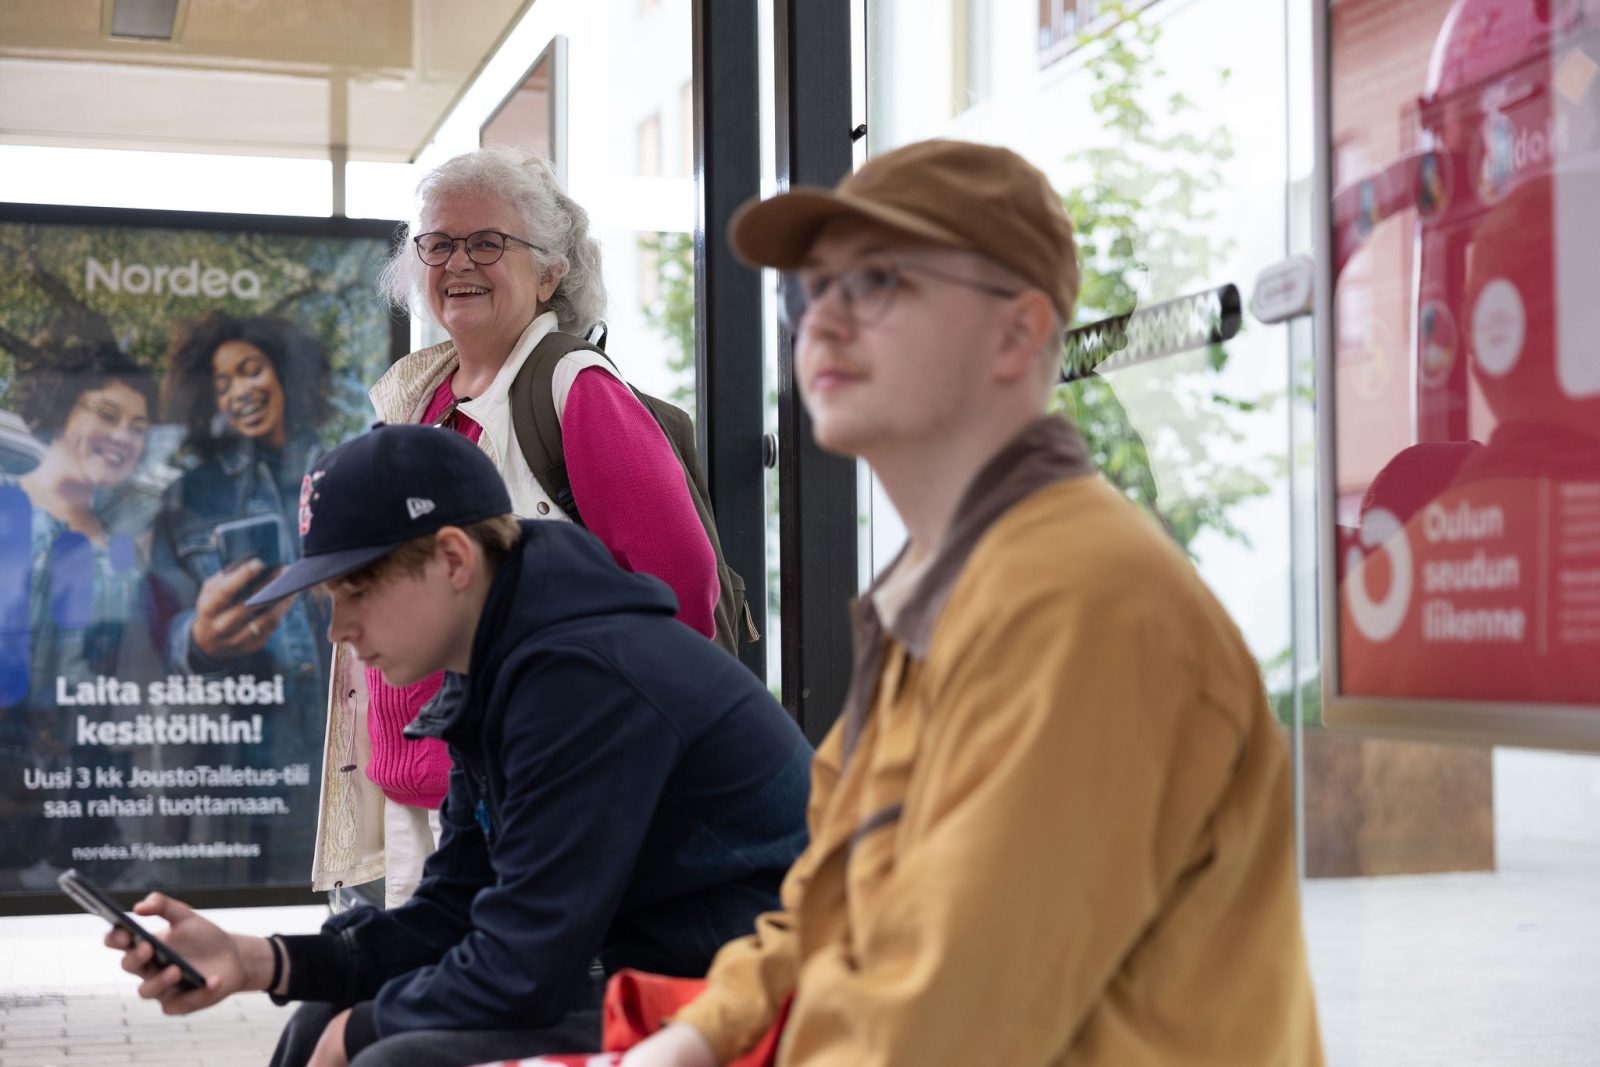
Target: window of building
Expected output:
[647,141]
[1063,22]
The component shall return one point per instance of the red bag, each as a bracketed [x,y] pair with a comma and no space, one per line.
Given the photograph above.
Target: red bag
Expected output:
[637,1004]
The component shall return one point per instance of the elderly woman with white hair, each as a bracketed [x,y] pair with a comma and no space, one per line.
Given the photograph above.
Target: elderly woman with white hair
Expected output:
[499,257]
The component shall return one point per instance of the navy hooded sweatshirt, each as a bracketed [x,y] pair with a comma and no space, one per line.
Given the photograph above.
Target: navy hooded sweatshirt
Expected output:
[622,789]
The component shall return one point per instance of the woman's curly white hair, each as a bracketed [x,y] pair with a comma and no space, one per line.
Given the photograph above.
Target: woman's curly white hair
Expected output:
[551,218]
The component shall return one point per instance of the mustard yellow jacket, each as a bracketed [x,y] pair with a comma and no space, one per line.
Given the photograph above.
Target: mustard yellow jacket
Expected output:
[1053,826]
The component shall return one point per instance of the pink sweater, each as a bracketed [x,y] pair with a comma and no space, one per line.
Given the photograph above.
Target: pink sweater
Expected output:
[630,488]
[408,772]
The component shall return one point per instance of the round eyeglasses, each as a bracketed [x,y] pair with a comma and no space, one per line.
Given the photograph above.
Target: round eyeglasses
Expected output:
[866,290]
[483,247]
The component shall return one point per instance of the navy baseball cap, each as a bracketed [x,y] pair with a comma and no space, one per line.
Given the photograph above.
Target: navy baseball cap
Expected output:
[375,492]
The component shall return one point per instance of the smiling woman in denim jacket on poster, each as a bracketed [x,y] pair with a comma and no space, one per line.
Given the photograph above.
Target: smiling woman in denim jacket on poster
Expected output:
[251,393]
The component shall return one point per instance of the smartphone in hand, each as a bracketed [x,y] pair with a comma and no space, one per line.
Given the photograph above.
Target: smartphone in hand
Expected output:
[256,537]
[93,900]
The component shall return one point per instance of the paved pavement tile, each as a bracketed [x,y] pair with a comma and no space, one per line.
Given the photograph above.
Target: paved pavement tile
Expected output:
[54,1057]
[65,1003]
[1481,970]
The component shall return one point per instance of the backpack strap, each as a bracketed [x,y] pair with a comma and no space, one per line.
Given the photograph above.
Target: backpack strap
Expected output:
[534,419]
[538,430]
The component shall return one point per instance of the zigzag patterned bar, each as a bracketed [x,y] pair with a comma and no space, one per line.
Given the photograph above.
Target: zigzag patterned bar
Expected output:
[1207,318]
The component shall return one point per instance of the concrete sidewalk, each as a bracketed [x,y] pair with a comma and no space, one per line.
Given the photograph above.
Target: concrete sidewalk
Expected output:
[64,1001]
[1454,970]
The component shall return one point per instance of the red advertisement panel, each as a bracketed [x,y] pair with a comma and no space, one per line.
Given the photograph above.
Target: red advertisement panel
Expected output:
[1466,425]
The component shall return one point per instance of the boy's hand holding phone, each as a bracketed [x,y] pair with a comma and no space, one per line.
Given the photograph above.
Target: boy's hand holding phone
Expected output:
[229,962]
[193,966]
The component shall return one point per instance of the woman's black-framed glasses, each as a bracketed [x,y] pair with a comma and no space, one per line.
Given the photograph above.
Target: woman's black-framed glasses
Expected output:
[483,246]
[867,290]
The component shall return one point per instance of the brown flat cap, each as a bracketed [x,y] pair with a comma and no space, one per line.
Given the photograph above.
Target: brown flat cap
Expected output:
[978,198]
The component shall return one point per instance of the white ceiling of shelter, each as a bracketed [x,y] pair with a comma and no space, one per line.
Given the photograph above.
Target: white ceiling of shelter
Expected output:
[259,77]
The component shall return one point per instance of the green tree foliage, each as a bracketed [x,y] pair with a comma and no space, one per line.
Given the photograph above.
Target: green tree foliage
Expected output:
[1142,211]
[671,313]
[1277,671]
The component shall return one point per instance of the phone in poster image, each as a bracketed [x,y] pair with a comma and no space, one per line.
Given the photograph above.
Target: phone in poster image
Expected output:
[93,900]
[256,537]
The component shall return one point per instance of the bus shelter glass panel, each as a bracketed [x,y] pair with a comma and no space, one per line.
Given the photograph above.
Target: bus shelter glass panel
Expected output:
[1162,128]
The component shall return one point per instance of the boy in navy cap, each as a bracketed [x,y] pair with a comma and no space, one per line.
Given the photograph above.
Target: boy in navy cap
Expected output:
[622,790]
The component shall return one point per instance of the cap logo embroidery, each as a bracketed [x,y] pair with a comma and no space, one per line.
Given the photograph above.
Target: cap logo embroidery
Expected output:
[307,494]
[417,506]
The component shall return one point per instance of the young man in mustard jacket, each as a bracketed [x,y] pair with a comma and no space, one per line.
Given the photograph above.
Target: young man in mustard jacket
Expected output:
[1053,825]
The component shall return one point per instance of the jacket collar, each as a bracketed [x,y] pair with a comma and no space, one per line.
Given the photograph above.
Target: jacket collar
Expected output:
[443,709]
[1049,450]
[446,713]
[490,406]
[402,394]
[237,456]
[410,381]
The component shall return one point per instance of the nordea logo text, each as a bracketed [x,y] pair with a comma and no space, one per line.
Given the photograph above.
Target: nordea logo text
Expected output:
[185,280]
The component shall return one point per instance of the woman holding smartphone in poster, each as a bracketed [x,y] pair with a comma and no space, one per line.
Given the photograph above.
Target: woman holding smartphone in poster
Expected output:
[252,393]
[76,615]
[500,257]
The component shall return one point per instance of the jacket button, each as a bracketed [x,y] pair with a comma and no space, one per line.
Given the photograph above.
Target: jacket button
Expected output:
[543,508]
